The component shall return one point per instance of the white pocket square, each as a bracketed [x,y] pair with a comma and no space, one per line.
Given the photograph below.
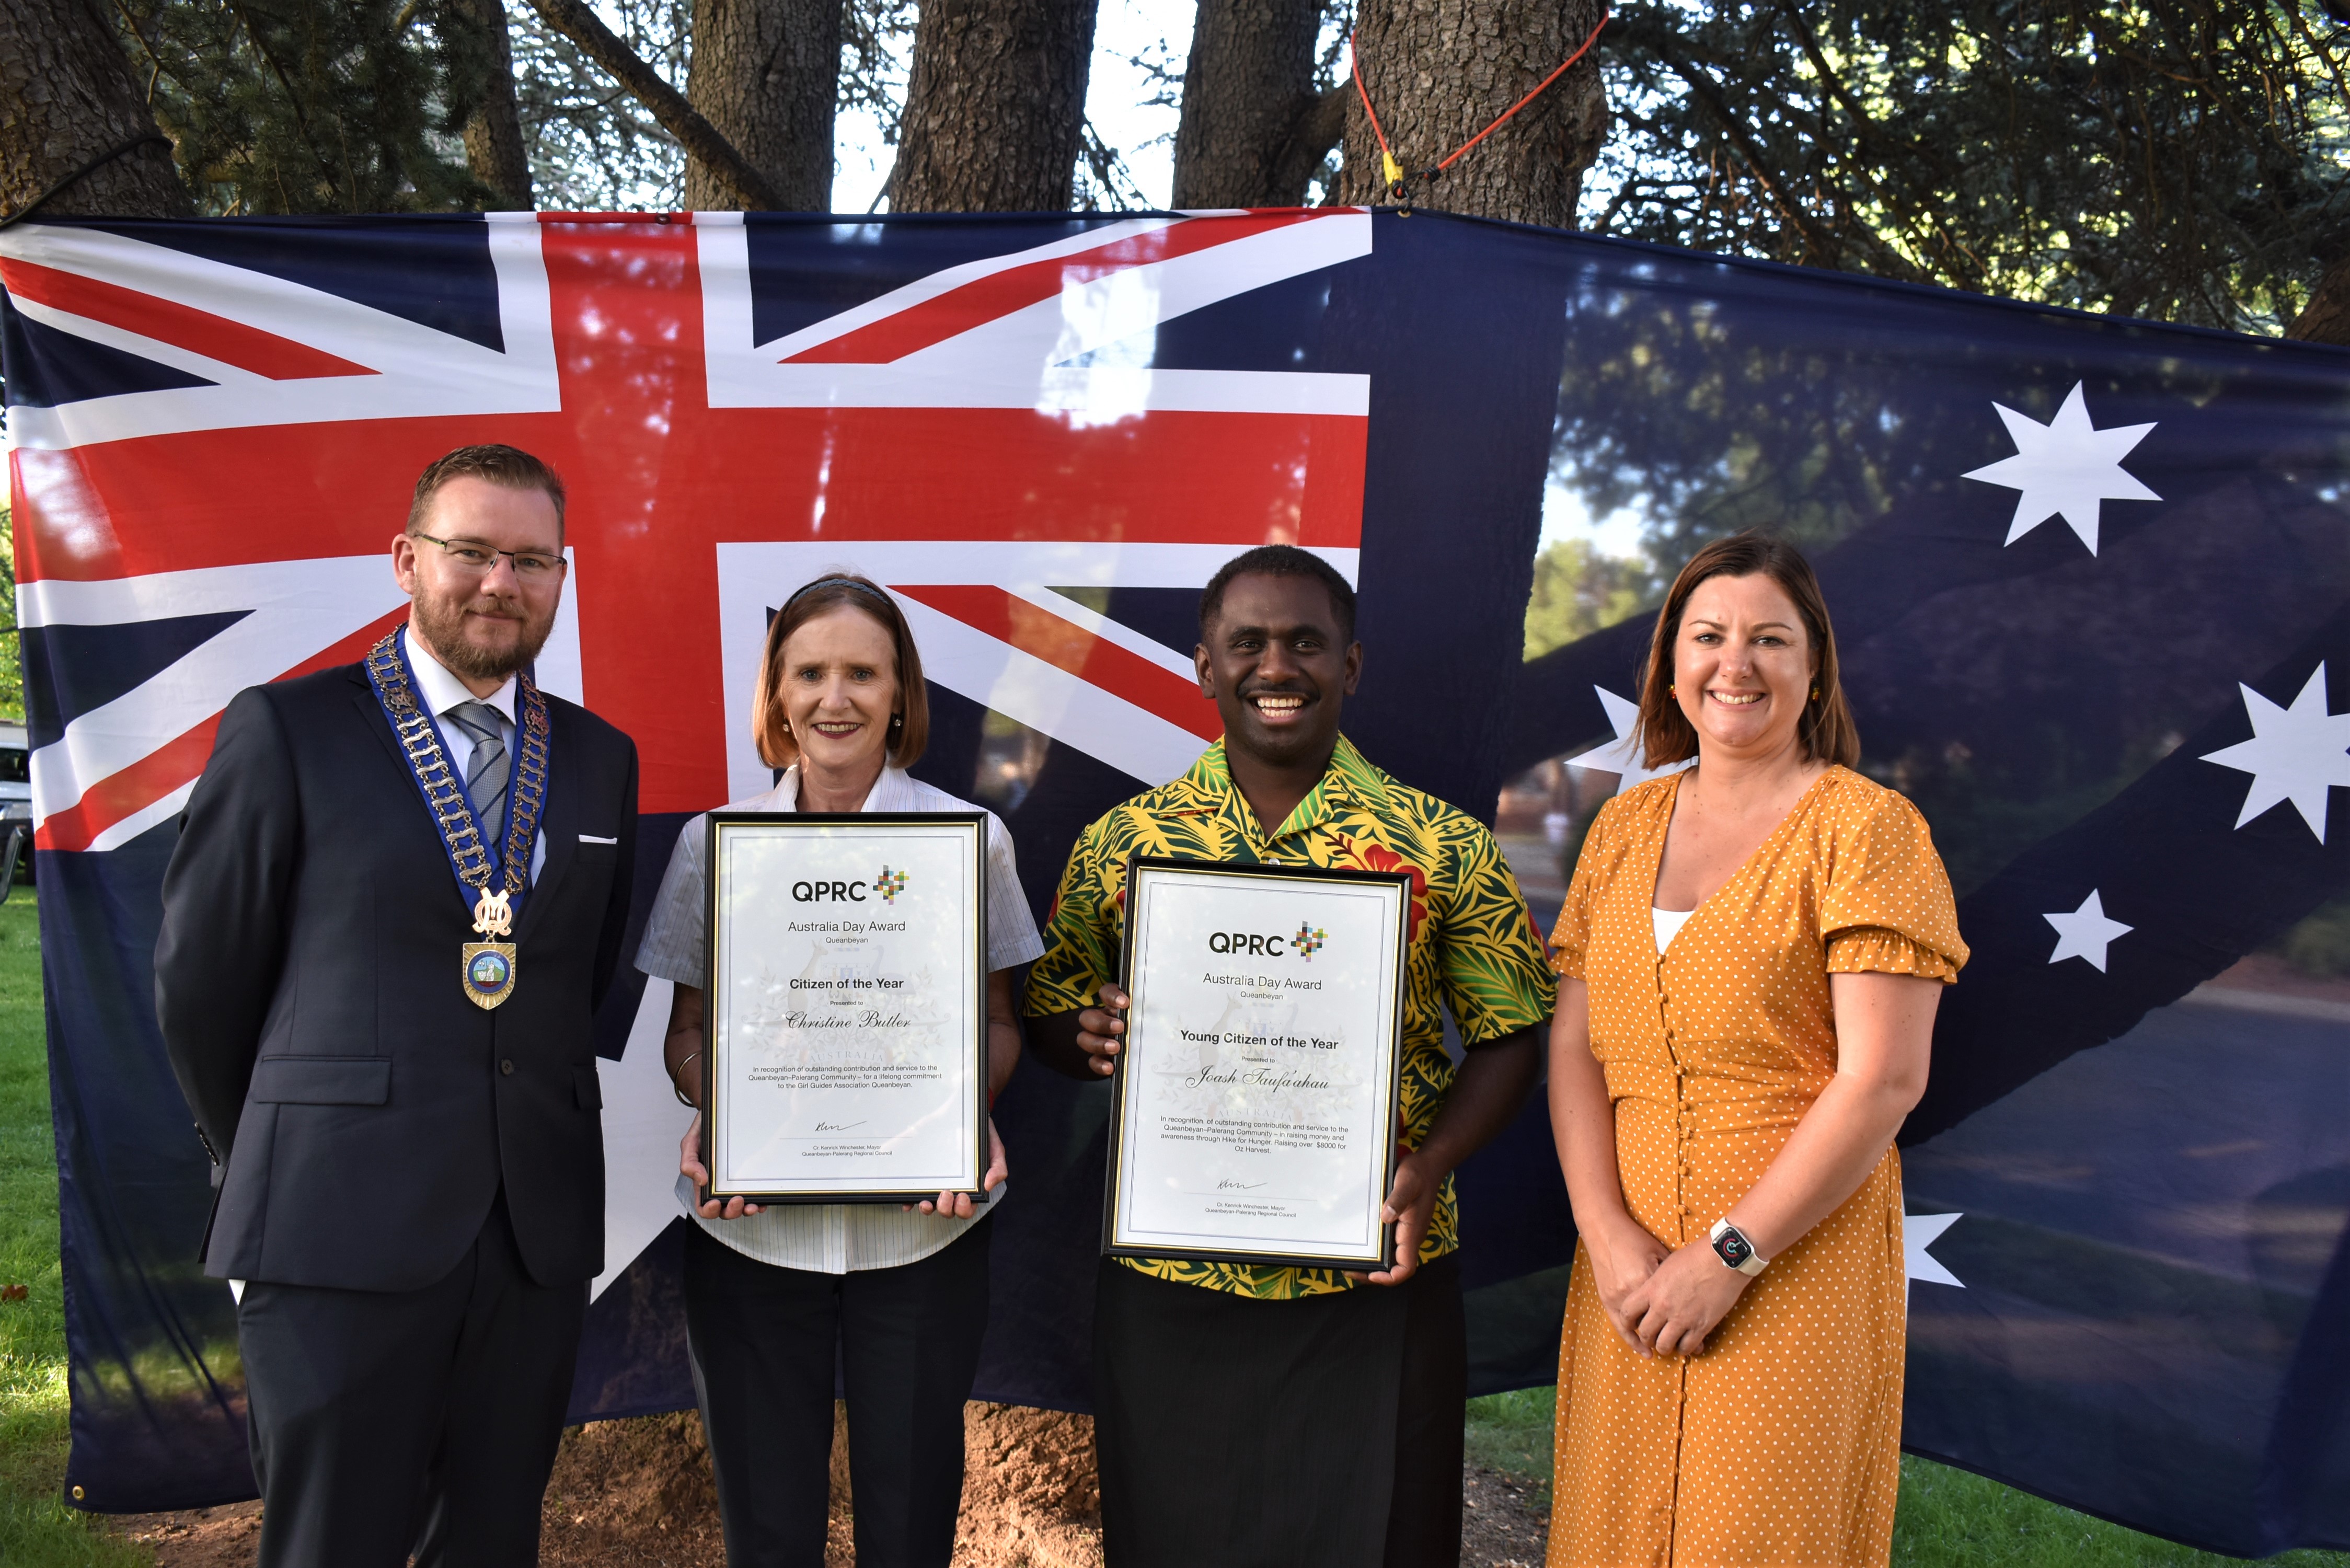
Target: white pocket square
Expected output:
[595,839]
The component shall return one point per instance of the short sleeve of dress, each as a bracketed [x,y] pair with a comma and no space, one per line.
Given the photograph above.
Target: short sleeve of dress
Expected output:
[676,944]
[1887,908]
[1572,934]
[1081,935]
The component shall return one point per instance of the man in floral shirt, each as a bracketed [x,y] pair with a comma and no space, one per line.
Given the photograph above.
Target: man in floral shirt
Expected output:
[1285,1415]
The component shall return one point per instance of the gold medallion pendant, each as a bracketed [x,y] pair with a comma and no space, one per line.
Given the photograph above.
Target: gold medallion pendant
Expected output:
[490,966]
[489,972]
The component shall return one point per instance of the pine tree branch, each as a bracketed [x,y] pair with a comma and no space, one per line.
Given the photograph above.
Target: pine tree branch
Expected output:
[700,138]
[293,101]
[1818,248]
[1867,143]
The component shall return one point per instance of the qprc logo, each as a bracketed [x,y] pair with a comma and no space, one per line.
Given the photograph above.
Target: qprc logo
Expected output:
[1309,940]
[889,883]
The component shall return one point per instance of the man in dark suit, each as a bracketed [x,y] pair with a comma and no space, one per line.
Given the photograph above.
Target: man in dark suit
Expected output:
[381,1022]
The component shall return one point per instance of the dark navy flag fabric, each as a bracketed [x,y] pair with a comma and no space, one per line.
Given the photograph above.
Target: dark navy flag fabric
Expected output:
[2091,581]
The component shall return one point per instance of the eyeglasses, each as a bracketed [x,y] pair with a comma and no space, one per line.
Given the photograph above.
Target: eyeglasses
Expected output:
[530,566]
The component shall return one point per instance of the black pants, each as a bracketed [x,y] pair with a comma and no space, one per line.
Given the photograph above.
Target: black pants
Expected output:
[1239,1432]
[764,1340]
[387,1421]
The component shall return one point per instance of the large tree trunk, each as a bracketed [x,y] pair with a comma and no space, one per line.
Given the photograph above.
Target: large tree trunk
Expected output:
[765,73]
[1439,71]
[68,99]
[1253,128]
[995,106]
[494,146]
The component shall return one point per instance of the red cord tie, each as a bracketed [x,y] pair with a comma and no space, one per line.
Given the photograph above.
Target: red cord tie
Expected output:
[1393,171]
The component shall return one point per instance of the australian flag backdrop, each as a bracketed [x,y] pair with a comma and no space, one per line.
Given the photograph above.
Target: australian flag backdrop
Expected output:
[2091,579]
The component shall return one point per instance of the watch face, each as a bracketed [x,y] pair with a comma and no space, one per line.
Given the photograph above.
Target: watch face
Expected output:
[1733,1249]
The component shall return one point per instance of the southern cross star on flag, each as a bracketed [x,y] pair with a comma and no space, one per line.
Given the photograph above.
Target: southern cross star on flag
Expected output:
[2090,580]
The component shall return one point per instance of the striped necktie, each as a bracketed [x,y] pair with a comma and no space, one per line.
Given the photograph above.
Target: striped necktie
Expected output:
[485,770]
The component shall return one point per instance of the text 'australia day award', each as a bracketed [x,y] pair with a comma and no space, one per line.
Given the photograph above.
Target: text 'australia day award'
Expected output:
[846,1011]
[1254,1103]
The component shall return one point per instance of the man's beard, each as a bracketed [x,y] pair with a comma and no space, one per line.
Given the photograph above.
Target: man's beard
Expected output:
[442,625]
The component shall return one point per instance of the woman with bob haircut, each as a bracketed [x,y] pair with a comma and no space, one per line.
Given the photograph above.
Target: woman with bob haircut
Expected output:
[841,707]
[1750,954]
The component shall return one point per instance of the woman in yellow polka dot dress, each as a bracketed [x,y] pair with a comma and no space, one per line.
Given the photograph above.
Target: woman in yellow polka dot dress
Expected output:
[1752,952]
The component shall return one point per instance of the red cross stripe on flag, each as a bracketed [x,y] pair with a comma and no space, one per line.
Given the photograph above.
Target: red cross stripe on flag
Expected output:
[991,440]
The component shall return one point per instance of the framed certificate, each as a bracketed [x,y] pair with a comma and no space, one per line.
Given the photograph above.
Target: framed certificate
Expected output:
[845,1020]
[1253,1111]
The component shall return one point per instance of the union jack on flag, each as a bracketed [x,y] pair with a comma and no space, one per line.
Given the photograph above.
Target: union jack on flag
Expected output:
[216,429]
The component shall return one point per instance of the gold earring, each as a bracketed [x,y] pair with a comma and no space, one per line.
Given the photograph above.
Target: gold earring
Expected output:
[1673,691]
[1816,693]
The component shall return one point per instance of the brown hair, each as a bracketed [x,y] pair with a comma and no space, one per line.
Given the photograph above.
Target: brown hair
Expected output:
[912,725]
[1826,727]
[505,465]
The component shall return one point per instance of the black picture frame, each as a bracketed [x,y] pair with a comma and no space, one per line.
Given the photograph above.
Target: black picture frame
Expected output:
[855,825]
[1137,1039]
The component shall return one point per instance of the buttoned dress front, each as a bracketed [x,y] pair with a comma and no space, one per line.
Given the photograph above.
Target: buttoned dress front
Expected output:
[1779,1443]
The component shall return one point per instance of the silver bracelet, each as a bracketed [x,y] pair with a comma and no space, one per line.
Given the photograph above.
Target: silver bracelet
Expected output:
[673,1089]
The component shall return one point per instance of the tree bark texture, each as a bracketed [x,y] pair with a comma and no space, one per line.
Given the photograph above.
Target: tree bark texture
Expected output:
[995,106]
[68,97]
[1439,71]
[764,74]
[1253,128]
[2326,317]
[494,153]
[748,188]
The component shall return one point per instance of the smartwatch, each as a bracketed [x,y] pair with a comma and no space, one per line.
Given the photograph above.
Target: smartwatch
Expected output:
[1730,1245]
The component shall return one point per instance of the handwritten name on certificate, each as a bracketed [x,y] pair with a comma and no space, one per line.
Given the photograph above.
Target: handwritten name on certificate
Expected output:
[847,998]
[1257,1103]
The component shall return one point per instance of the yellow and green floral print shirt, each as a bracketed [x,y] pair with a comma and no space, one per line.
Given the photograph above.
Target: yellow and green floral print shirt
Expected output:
[1472,946]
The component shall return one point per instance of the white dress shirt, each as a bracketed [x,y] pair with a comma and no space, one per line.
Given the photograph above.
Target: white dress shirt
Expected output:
[831,1238]
[441,690]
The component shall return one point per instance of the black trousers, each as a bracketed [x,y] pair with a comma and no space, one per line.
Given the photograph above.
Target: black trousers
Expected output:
[764,1341]
[383,1422]
[1325,1431]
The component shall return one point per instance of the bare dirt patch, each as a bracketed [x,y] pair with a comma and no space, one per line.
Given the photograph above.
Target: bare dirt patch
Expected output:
[1501,1527]
[637,1494]
[224,1537]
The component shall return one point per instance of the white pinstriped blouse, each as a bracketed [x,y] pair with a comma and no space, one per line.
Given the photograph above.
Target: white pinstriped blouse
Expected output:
[833,1237]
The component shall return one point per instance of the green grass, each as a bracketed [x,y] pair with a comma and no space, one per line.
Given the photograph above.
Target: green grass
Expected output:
[1948,1517]
[37,1530]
